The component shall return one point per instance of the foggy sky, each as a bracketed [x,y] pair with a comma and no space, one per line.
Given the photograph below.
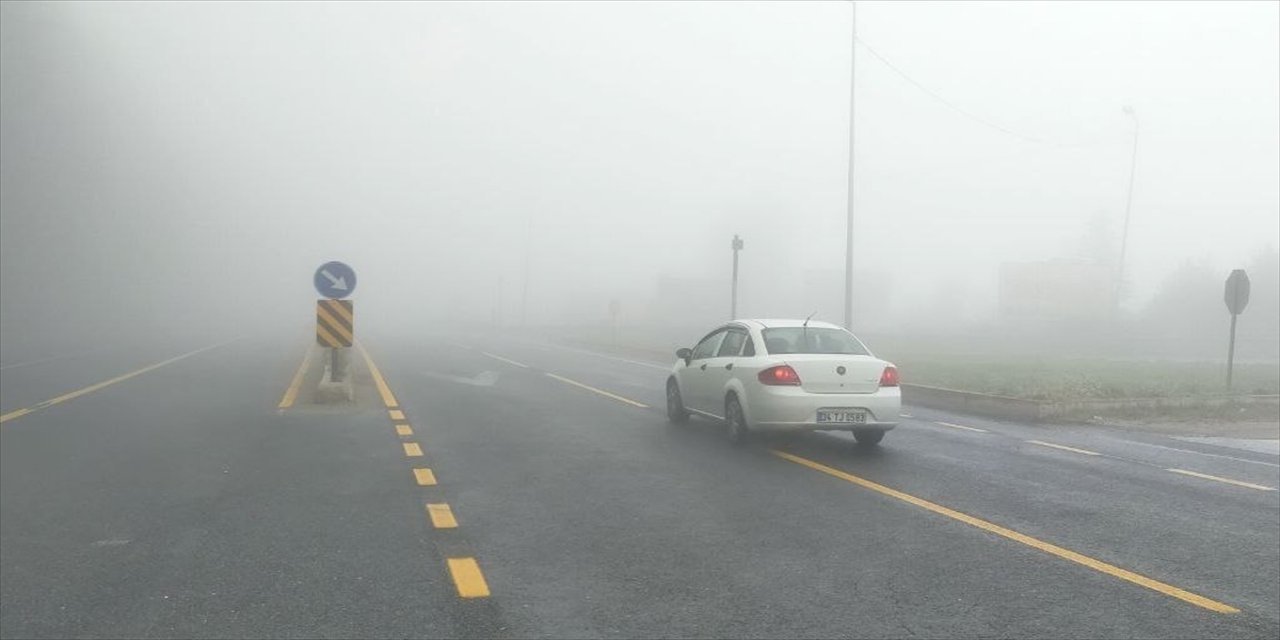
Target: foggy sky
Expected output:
[203,158]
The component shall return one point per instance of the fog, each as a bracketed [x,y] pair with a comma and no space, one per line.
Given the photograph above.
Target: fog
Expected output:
[182,169]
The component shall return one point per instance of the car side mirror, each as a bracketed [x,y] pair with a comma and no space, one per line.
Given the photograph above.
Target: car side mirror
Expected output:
[684,353]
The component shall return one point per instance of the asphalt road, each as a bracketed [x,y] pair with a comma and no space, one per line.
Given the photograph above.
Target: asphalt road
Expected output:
[186,501]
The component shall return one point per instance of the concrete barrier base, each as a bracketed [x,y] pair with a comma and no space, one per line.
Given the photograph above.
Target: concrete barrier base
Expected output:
[329,391]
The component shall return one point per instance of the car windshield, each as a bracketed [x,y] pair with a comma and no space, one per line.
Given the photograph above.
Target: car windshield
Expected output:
[812,340]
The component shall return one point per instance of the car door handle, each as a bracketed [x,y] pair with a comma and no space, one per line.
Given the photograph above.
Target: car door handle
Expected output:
[728,367]
[703,367]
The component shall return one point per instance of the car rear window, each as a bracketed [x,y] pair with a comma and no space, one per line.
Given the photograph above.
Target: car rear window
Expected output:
[812,340]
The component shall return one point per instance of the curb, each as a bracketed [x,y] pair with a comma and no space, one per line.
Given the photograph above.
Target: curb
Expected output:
[994,406]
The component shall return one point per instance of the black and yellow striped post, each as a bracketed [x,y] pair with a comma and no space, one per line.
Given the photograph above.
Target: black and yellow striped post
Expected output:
[335,328]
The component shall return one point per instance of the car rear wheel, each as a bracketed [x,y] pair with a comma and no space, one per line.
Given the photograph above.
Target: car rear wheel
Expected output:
[868,438]
[676,413]
[734,420]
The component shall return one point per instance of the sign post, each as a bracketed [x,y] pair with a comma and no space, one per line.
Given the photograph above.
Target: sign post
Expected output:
[733,304]
[335,317]
[1237,298]
[614,308]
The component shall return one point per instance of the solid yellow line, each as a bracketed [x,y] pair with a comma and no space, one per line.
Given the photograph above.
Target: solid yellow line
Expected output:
[396,414]
[387,398]
[14,414]
[467,578]
[599,391]
[1238,483]
[506,360]
[105,383]
[1065,448]
[1066,554]
[425,477]
[404,430]
[960,426]
[442,516]
[332,323]
[291,393]
[412,450]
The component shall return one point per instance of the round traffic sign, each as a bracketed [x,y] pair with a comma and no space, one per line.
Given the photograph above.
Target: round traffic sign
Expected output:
[335,280]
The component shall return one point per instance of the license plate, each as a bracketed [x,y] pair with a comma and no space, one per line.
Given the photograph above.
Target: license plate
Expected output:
[842,416]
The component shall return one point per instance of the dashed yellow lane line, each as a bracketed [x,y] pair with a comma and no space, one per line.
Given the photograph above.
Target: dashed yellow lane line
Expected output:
[441,516]
[468,578]
[388,398]
[1238,483]
[506,360]
[1052,549]
[465,572]
[424,477]
[105,383]
[598,391]
[960,426]
[1062,447]
[291,393]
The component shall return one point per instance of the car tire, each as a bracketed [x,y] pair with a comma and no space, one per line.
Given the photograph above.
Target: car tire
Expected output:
[676,413]
[735,421]
[868,438]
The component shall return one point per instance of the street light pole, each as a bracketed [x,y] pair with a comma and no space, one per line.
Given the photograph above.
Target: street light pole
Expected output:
[1128,207]
[737,246]
[848,240]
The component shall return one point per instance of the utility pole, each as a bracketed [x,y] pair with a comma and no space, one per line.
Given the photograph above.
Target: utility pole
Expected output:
[736,246]
[848,241]
[1128,206]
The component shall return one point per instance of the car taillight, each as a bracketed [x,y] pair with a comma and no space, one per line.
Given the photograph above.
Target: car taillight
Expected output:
[781,375]
[890,377]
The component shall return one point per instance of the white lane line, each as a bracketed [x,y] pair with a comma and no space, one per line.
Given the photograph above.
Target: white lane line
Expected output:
[1238,483]
[506,360]
[1201,453]
[704,413]
[1064,448]
[614,358]
[905,415]
[960,426]
[598,391]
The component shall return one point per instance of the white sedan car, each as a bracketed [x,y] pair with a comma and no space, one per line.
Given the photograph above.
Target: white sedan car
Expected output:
[785,375]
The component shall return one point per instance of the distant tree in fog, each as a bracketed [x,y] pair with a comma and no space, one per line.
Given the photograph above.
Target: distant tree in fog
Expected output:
[1188,310]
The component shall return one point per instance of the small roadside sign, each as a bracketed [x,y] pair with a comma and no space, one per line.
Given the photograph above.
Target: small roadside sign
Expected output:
[335,323]
[1236,295]
[335,280]
[1237,292]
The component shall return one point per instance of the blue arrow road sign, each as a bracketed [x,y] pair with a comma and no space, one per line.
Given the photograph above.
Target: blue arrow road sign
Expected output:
[335,280]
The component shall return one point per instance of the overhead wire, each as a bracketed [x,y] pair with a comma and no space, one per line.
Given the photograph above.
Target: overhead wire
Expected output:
[956,108]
